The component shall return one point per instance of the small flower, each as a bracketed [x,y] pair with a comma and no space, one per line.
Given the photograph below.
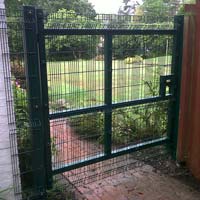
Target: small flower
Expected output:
[17,84]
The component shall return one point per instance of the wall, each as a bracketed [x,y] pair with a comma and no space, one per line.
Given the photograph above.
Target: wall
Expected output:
[189,124]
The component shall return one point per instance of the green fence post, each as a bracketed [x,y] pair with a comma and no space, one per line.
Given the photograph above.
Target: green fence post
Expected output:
[176,71]
[34,100]
[108,94]
[45,98]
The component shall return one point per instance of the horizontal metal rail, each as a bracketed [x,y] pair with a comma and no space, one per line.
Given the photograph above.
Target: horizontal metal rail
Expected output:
[107,108]
[115,153]
[65,31]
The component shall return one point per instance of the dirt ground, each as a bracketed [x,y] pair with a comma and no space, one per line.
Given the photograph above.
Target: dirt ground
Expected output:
[144,183]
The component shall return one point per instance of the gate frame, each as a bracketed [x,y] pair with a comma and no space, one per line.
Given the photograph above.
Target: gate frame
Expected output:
[34,34]
[35,68]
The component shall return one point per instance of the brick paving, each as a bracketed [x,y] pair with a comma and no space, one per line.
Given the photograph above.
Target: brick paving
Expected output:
[140,183]
[71,147]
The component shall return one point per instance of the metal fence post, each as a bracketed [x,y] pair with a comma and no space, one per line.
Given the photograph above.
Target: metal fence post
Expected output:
[34,98]
[108,94]
[176,71]
[45,98]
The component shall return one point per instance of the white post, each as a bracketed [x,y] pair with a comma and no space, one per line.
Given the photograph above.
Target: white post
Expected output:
[8,182]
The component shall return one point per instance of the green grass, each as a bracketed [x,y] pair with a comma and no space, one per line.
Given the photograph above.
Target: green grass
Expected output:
[81,83]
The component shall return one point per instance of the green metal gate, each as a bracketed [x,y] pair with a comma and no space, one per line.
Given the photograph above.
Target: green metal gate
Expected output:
[101,103]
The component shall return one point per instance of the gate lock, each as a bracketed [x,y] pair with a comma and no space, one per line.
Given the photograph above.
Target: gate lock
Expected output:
[166,85]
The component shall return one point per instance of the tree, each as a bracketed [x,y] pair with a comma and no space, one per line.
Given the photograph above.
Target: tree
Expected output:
[81,7]
[128,7]
[73,46]
[126,46]
[160,8]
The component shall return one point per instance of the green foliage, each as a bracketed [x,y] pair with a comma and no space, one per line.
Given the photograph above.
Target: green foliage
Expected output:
[58,192]
[82,7]
[79,7]
[54,150]
[146,47]
[129,125]
[140,123]
[23,133]
[88,126]
[15,40]
[135,59]
[123,44]
[162,9]
[181,10]
[75,47]
[22,117]
[18,72]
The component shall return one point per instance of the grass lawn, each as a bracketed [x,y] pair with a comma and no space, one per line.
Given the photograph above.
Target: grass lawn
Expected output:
[80,83]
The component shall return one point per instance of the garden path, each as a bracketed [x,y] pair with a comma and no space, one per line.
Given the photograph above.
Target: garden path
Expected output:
[140,183]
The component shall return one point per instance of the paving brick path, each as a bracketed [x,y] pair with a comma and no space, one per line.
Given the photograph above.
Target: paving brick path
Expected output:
[141,183]
[138,184]
[71,147]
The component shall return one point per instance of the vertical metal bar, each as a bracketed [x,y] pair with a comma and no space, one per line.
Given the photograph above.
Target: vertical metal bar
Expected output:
[34,99]
[176,70]
[108,93]
[44,96]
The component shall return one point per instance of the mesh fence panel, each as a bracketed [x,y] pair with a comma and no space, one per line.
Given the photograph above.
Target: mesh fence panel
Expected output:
[76,77]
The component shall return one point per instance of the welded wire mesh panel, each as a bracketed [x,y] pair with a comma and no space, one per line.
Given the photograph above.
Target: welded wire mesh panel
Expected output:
[25,151]
[65,19]
[139,124]
[76,79]
[16,98]
[76,139]
[75,72]
[23,128]
[80,76]
[100,171]
[138,63]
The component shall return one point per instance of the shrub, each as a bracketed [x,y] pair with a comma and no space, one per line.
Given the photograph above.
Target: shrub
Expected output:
[23,133]
[139,123]
[89,126]
[135,59]
[18,72]
[129,125]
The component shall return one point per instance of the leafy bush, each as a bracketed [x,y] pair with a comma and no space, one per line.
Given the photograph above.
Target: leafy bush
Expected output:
[89,126]
[60,191]
[24,138]
[18,72]
[148,46]
[23,133]
[129,125]
[140,122]
[22,117]
[135,59]
[126,46]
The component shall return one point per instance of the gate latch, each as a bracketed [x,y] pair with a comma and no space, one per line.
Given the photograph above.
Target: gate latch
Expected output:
[166,85]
